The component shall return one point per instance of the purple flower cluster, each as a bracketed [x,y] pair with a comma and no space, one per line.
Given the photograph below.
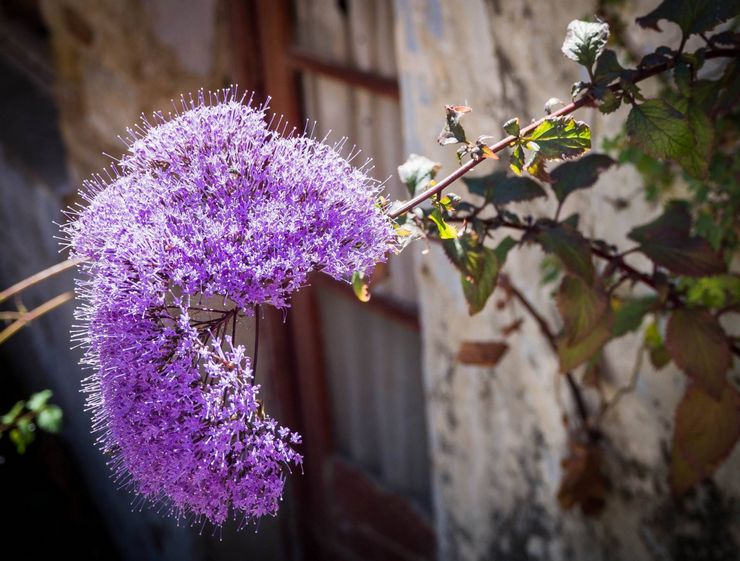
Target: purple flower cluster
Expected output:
[209,205]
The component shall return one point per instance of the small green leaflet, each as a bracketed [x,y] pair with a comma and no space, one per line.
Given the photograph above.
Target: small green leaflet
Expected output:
[584,41]
[446,231]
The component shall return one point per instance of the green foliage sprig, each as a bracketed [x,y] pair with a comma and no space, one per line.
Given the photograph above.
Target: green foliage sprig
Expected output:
[25,416]
[689,131]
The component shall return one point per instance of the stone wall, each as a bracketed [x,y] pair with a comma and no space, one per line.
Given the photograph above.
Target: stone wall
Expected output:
[497,434]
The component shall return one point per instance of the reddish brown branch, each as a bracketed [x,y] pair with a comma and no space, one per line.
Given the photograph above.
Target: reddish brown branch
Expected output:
[640,75]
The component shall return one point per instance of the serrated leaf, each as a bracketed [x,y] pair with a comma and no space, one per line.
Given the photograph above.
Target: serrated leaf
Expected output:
[666,241]
[512,126]
[481,353]
[607,68]
[417,172]
[50,419]
[536,166]
[571,247]
[581,306]
[516,161]
[692,16]
[609,102]
[628,315]
[500,189]
[560,138]
[446,231]
[479,267]
[572,355]
[580,174]
[463,253]
[453,132]
[705,432]
[361,286]
[701,134]
[659,129]
[698,345]
[584,41]
[38,400]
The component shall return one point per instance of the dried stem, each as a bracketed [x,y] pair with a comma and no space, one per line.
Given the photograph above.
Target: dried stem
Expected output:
[28,317]
[630,387]
[38,277]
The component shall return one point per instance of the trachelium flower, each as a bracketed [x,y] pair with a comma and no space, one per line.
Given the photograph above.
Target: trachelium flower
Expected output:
[208,205]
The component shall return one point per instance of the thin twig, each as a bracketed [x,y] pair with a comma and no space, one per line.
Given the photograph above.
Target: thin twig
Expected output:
[629,388]
[38,277]
[28,317]
[548,334]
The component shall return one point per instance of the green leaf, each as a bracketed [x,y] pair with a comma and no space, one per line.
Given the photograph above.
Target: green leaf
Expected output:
[659,129]
[537,167]
[479,267]
[417,172]
[23,435]
[580,174]
[512,126]
[463,253]
[666,241]
[698,345]
[572,355]
[479,286]
[500,189]
[653,341]
[608,68]
[692,16]
[453,133]
[584,41]
[706,430]
[516,162]
[682,77]
[581,306]
[10,417]
[50,419]
[628,315]
[610,102]
[587,321]
[39,400]
[712,292]
[571,247]
[560,138]
[446,231]
[503,248]
[701,134]
[361,286]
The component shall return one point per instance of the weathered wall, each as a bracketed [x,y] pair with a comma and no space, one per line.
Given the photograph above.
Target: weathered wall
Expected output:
[115,60]
[497,434]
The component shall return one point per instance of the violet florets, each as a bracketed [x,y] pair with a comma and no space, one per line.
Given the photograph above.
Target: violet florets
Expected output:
[207,205]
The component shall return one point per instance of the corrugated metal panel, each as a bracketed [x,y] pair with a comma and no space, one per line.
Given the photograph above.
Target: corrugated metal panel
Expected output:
[362,38]
[375,383]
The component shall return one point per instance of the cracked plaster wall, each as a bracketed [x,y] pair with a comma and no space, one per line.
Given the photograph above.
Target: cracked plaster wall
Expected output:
[497,436]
